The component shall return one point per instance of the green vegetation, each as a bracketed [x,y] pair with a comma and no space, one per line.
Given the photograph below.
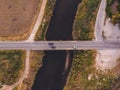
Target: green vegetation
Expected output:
[83,74]
[113,14]
[35,64]
[11,63]
[108,8]
[116,15]
[83,28]
[15,88]
[80,69]
[116,18]
[118,7]
[36,56]
[46,19]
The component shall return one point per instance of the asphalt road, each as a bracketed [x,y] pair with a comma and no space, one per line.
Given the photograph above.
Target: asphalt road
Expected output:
[60,45]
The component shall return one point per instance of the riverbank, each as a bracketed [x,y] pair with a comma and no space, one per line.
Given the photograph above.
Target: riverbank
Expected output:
[13,64]
[56,64]
[40,35]
[84,60]
[85,74]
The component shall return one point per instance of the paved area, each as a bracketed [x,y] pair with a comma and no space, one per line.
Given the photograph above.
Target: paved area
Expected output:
[60,45]
[100,19]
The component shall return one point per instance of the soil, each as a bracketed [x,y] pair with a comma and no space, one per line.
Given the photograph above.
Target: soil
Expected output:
[16,16]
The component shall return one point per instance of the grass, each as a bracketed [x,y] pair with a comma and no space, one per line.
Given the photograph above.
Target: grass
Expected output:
[84,75]
[83,68]
[83,28]
[40,35]
[11,66]
[35,64]
[108,8]
[15,88]
[113,11]
[82,62]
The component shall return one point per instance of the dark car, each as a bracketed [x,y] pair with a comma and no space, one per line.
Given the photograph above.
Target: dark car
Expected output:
[53,47]
[50,44]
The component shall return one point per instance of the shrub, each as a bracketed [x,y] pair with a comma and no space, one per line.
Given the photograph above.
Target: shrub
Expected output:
[83,27]
[11,62]
[116,18]
[118,7]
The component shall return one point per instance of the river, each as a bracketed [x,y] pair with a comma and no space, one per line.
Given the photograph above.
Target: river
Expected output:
[56,64]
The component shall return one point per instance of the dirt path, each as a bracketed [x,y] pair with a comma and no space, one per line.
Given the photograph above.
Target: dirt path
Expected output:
[38,22]
[31,38]
[26,71]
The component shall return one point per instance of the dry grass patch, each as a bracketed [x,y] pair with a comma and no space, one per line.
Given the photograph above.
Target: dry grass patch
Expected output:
[16,16]
[11,66]
[35,64]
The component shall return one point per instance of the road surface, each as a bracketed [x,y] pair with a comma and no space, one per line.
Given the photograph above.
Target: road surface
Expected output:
[100,20]
[60,45]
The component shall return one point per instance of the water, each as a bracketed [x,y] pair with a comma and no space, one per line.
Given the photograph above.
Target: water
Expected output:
[57,64]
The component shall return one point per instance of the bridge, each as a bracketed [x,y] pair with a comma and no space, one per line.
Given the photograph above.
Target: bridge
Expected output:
[59,45]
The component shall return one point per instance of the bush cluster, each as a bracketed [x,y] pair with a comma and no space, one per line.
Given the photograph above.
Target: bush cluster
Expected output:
[115,16]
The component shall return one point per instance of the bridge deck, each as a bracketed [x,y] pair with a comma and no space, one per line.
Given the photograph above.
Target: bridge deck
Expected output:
[60,45]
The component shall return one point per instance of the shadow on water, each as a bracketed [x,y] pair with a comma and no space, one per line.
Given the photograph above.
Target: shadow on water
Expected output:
[56,64]
[53,74]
